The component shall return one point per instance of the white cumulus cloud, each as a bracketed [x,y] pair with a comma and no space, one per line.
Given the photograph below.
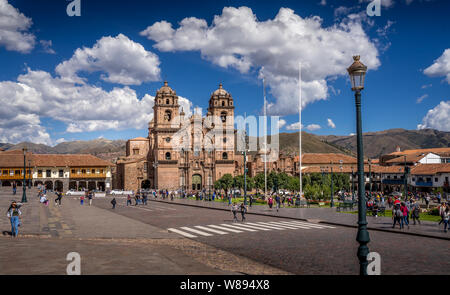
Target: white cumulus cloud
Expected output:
[440,67]
[120,59]
[331,123]
[437,118]
[237,39]
[14,26]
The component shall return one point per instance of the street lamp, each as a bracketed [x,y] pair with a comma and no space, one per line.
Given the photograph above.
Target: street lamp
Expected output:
[357,72]
[370,178]
[29,174]
[24,186]
[322,169]
[332,187]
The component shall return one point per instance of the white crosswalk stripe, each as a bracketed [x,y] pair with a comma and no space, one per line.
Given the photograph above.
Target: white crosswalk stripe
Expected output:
[237,227]
[227,228]
[181,233]
[294,225]
[266,226]
[211,230]
[308,224]
[280,225]
[196,231]
[245,225]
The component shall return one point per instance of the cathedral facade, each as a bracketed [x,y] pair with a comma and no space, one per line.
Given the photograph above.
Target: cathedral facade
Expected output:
[187,152]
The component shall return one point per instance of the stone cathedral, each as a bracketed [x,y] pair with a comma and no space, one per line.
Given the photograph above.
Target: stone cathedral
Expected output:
[180,151]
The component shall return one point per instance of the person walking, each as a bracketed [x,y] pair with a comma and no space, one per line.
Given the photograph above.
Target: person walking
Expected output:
[243,211]
[14,188]
[397,216]
[114,202]
[15,217]
[81,200]
[90,197]
[145,198]
[251,200]
[405,213]
[234,209]
[270,202]
[446,217]
[442,209]
[128,200]
[415,212]
[58,199]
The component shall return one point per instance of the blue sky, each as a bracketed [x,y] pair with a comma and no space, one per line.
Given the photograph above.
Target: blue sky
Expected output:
[60,96]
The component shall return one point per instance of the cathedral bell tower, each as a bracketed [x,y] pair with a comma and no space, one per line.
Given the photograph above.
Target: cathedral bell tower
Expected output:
[166,123]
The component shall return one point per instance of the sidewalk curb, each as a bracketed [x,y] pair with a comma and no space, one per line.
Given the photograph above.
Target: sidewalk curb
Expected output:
[304,219]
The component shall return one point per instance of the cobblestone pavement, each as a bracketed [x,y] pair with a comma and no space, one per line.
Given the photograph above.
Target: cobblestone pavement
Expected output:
[301,250]
[328,215]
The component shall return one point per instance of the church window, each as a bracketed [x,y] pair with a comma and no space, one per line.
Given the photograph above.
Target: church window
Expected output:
[223,117]
[168,156]
[135,151]
[168,116]
[225,156]
[223,103]
[167,101]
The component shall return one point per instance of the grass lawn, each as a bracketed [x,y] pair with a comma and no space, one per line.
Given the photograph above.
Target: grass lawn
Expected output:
[423,216]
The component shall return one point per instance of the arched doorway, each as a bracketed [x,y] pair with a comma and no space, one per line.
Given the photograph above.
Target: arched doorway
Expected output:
[59,186]
[73,185]
[145,184]
[196,182]
[49,185]
[101,186]
[91,185]
[82,185]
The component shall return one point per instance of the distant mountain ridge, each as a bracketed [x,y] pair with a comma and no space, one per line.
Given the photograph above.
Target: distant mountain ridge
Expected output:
[385,142]
[375,144]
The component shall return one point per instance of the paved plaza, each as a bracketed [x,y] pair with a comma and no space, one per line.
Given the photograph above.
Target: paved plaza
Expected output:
[170,237]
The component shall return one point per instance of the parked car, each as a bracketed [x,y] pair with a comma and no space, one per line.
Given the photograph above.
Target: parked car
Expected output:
[73,192]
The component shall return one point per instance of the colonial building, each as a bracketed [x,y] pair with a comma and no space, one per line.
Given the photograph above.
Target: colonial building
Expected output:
[57,172]
[181,151]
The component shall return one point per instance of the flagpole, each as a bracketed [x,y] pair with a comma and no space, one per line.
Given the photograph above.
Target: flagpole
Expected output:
[265,141]
[300,122]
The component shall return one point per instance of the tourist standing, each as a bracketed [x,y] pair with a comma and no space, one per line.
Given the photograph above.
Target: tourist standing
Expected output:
[114,202]
[441,212]
[446,217]
[397,216]
[405,213]
[415,212]
[14,188]
[81,199]
[243,211]
[270,202]
[278,201]
[128,200]
[15,217]
[234,211]
[90,197]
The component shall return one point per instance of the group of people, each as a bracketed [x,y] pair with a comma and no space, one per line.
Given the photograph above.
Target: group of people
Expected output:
[235,208]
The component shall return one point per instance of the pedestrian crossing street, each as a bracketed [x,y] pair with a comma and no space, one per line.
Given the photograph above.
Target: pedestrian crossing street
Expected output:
[236,228]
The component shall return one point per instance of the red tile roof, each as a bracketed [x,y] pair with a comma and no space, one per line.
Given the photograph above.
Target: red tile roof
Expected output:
[15,159]
[426,169]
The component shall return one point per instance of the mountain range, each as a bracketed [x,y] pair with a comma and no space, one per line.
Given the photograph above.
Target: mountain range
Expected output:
[375,144]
